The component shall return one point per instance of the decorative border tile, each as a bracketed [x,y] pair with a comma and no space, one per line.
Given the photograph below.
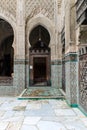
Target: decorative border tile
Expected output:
[56,62]
[70,57]
[19,61]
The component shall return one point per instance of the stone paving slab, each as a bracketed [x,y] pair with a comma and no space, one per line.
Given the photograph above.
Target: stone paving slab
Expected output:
[40,115]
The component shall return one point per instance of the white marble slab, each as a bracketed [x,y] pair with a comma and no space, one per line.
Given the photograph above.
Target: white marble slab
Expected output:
[78,112]
[31,120]
[14,125]
[27,127]
[18,113]
[64,112]
[3,125]
[8,114]
[33,106]
[23,103]
[75,125]
[15,119]
[58,104]
[84,120]
[2,113]
[48,125]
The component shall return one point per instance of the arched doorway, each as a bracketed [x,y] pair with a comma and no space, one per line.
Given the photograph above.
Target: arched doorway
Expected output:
[6,49]
[39,54]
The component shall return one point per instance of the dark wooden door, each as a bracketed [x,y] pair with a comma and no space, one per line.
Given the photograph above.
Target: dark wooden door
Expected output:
[40,69]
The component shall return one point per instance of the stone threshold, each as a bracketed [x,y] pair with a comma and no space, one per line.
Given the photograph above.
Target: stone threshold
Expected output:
[23,97]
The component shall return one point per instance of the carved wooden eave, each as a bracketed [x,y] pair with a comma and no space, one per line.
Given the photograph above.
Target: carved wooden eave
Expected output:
[83,36]
[81,9]
[63,35]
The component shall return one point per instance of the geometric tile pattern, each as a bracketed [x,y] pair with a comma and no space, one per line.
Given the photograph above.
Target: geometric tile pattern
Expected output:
[19,76]
[56,73]
[63,75]
[71,78]
[45,7]
[73,81]
[27,75]
[54,76]
[59,76]
[83,81]
[67,79]
[41,92]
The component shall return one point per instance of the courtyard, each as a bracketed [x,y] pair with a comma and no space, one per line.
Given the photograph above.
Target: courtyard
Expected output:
[43,64]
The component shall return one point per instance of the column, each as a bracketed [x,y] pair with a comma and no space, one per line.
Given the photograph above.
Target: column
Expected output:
[19,63]
[71,62]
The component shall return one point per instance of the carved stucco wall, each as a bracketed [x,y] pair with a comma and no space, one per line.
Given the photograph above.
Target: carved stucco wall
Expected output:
[49,9]
[43,10]
[8,7]
[34,7]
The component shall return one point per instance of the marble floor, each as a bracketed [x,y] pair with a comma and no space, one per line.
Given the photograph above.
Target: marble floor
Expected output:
[40,115]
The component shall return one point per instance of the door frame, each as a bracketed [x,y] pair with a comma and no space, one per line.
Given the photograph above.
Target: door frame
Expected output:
[48,67]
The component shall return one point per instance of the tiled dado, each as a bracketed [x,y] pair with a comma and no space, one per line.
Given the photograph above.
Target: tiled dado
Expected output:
[13,86]
[6,81]
[63,75]
[56,73]
[19,61]
[56,62]
[83,81]
[71,78]
[19,74]
[9,81]
[27,74]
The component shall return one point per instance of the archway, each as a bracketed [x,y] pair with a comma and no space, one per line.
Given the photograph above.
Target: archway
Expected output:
[39,53]
[6,49]
[40,19]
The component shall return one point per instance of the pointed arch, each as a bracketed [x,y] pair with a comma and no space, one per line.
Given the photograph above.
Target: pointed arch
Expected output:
[11,20]
[43,21]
